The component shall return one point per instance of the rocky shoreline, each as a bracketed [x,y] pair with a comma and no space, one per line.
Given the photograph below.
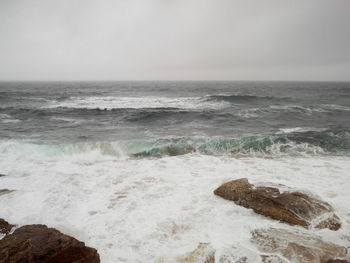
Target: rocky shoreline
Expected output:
[41,244]
[292,207]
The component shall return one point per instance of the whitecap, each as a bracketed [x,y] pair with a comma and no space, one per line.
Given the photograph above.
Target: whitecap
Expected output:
[300,129]
[65,119]
[110,102]
[336,107]
[6,118]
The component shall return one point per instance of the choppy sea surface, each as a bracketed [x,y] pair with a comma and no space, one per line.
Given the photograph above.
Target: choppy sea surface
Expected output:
[130,167]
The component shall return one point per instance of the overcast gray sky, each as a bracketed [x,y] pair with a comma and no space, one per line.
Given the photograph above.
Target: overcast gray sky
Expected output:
[175,39]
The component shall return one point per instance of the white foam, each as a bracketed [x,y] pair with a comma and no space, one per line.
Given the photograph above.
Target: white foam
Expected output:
[249,113]
[297,108]
[110,102]
[300,129]
[5,118]
[336,107]
[71,120]
[139,210]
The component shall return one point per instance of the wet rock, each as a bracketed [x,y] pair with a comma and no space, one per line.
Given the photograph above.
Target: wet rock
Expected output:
[204,253]
[232,259]
[224,259]
[338,261]
[296,247]
[174,151]
[272,259]
[5,191]
[5,227]
[40,244]
[292,207]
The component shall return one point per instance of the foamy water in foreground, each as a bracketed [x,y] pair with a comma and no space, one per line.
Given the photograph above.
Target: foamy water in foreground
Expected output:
[138,210]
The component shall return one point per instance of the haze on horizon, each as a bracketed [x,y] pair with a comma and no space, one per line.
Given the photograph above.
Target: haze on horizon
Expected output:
[175,40]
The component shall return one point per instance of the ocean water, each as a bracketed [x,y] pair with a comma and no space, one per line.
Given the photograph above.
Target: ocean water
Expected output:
[130,167]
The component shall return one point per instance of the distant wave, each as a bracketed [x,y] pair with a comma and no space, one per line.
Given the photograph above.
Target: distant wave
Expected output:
[298,108]
[237,98]
[5,118]
[110,102]
[300,129]
[336,107]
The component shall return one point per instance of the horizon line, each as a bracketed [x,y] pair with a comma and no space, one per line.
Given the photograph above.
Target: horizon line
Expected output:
[170,80]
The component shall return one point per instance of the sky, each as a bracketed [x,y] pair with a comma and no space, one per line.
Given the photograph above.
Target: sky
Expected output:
[175,40]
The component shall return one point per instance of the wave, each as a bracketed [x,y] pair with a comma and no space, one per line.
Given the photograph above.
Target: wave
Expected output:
[297,108]
[76,115]
[336,107]
[6,118]
[322,108]
[277,145]
[300,129]
[237,98]
[110,102]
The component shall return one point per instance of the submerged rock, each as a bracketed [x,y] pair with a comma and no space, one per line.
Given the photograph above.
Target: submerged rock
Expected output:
[293,207]
[5,191]
[5,227]
[273,259]
[174,151]
[296,247]
[338,261]
[40,244]
[204,253]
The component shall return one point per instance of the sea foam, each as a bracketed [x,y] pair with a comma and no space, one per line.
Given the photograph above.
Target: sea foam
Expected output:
[138,210]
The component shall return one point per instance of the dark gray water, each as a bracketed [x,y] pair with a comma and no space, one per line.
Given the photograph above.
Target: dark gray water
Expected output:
[179,117]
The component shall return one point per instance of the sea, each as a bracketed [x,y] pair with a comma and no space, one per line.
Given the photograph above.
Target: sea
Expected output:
[130,167]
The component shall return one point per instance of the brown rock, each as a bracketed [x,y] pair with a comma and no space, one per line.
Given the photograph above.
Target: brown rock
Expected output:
[226,259]
[5,227]
[40,244]
[297,247]
[173,151]
[204,253]
[272,259]
[338,261]
[292,207]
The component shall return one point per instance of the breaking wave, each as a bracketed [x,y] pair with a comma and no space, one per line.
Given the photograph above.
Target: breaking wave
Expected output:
[296,143]
[237,98]
[110,102]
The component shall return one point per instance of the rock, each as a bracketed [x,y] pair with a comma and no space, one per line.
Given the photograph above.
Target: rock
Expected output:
[297,247]
[1,175]
[5,227]
[338,261]
[240,260]
[292,207]
[230,259]
[332,222]
[272,259]
[40,244]
[204,253]
[5,191]
[174,151]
